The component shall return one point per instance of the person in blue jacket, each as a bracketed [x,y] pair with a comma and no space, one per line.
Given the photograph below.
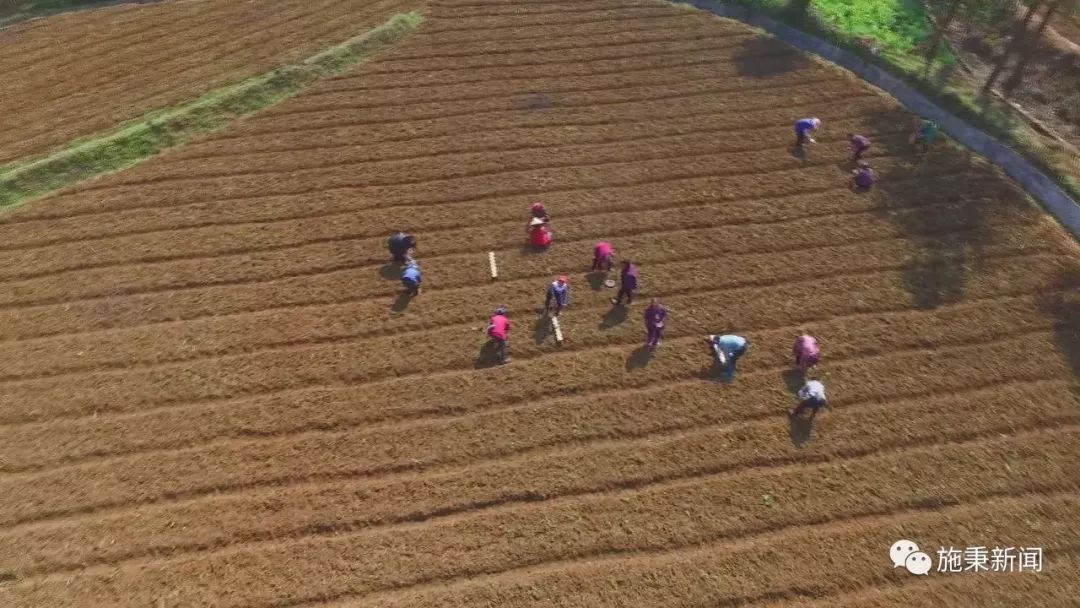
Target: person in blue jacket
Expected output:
[803,127]
[410,278]
[558,296]
[727,349]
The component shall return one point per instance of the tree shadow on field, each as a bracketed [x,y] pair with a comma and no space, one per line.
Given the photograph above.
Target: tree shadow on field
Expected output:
[616,315]
[762,57]
[942,202]
[390,271]
[1062,303]
[639,359]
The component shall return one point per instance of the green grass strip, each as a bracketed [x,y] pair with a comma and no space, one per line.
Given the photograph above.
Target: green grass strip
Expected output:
[162,129]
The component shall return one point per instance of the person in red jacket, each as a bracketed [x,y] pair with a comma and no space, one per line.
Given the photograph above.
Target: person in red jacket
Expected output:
[539,234]
[498,331]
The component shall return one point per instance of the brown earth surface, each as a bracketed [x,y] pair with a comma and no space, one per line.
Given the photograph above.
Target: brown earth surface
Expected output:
[213,393]
[81,73]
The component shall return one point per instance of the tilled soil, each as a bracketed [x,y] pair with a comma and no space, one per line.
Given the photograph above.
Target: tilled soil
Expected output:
[77,74]
[213,393]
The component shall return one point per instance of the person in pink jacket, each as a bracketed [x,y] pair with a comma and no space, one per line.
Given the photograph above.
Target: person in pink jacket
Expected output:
[807,352]
[603,257]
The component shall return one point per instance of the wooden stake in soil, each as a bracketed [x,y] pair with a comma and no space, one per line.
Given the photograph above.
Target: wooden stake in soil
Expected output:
[494,269]
[558,330]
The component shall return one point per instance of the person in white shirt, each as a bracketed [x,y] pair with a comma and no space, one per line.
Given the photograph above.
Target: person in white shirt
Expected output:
[811,397]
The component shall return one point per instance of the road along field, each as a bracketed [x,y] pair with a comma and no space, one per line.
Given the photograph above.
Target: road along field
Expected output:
[74,75]
[214,395]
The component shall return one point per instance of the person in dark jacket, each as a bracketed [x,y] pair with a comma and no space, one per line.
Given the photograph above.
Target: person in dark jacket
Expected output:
[655,315]
[399,244]
[628,285]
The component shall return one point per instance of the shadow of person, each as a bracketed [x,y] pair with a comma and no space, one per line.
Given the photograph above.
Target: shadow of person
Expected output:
[793,379]
[401,303]
[488,355]
[640,358]
[799,428]
[615,316]
[390,271]
[542,329]
[596,279]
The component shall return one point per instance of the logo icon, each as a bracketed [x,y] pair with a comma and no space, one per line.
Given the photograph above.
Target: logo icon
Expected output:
[900,551]
[918,563]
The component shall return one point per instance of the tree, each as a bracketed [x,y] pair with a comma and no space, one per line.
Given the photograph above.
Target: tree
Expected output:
[941,29]
[1019,34]
[1017,75]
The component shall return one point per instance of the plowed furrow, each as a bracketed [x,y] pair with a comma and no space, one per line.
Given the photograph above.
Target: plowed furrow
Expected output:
[759,569]
[617,441]
[36,445]
[569,534]
[151,346]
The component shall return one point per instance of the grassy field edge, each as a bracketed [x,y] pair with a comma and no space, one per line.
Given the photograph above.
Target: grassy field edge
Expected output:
[162,129]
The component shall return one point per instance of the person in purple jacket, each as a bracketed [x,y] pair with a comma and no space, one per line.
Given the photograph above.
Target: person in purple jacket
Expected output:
[803,128]
[655,315]
[629,283]
[859,146]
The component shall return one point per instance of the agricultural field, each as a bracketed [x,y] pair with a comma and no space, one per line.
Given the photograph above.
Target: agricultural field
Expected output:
[213,394]
[76,74]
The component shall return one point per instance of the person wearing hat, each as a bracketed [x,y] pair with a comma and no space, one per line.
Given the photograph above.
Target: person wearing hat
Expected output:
[803,127]
[538,211]
[807,352]
[539,234]
[498,331]
[925,135]
[603,257]
[399,244]
[655,315]
[864,176]
[811,397]
[859,146]
[727,349]
[410,278]
[628,283]
[558,295]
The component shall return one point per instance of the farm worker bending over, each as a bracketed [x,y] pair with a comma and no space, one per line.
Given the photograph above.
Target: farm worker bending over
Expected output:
[864,176]
[537,211]
[400,244]
[727,349]
[811,397]
[927,133]
[603,256]
[558,295]
[859,145]
[655,315]
[539,234]
[628,285]
[807,352]
[498,331]
[803,128]
[410,278]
